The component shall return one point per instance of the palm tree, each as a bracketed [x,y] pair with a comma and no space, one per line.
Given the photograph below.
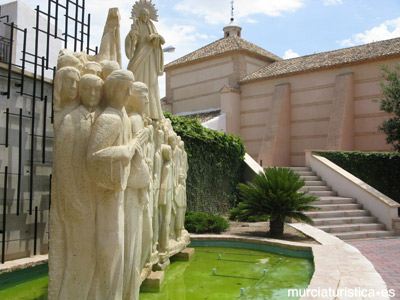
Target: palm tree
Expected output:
[274,194]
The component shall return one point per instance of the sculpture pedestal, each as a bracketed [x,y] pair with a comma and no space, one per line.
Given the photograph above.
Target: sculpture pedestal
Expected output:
[153,282]
[185,255]
[148,267]
[163,263]
[175,247]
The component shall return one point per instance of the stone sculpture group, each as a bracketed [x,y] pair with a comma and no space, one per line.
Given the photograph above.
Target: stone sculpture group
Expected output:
[119,170]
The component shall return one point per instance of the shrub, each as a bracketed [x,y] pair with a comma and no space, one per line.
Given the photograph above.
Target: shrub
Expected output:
[378,169]
[390,103]
[199,222]
[275,193]
[215,165]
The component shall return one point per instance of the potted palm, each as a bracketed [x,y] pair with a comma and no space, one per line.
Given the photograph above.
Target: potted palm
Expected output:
[274,194]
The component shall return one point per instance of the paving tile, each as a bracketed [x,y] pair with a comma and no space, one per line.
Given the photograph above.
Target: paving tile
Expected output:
[384,254]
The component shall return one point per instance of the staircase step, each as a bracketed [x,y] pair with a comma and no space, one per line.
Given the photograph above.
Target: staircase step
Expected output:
[310,178]
[338,213]
[300,168]
[340,216]
[364,234]
[345,220]
[314,183]
[334,200]
[351,227]
[339,207]
[316,188]
[306,173]
[322,193]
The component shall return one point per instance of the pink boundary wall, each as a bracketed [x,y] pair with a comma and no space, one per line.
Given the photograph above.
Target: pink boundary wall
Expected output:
[327,109]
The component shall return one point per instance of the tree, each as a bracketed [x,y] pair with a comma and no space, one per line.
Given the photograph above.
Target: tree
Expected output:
[274,194]
[390,103]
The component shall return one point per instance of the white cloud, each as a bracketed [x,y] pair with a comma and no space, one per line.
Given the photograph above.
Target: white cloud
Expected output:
[346,43]
[332,2]
[186,39]
[290,54]
[387,30]
[251,21]
[218,12]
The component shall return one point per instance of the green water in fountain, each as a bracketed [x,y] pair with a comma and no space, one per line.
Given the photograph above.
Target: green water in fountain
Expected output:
[235,268]
[27,284]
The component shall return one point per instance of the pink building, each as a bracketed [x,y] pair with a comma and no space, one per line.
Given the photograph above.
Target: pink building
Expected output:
[282,107]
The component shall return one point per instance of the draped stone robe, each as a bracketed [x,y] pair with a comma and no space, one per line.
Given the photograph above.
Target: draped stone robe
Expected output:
[107,146]
[146,62]
[78,203]
[72,264]
[138,180]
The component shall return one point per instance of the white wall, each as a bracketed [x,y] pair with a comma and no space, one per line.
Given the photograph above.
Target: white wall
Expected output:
[25,17]
[217,123]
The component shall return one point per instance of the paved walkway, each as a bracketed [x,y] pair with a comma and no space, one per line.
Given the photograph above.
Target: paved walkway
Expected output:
[385,256]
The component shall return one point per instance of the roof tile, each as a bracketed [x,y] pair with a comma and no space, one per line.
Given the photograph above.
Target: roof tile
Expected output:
[326,60]
[221,46]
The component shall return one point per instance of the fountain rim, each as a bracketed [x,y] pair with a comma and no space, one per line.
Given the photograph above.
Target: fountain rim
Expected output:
[291,249]
[337,265]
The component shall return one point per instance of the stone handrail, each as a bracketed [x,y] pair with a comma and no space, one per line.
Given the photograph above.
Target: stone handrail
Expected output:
[346,184]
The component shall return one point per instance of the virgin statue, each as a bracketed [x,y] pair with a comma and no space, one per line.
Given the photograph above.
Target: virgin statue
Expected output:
[143,48]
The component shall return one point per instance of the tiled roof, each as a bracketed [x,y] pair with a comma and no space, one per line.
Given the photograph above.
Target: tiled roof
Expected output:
[222,46]
[325,60]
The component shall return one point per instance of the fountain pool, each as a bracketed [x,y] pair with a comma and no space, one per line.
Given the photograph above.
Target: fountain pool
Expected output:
[219,270]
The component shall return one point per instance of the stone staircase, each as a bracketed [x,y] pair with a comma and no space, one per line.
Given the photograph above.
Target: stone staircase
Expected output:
[340,216]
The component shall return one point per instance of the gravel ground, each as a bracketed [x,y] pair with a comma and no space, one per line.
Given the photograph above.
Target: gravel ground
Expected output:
[260,229]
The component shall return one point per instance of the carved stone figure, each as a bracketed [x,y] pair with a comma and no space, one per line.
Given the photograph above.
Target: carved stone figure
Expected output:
[108,68]
[137,182]
[65,93]
[109,157]
[118,168]
[92,67]
[110,46]
[172,141]
[77,191]
[167,128]
[148,195]
[68,60]
[143,49]
[65,100]
[180,202]
[165,199]
[156,185]
[180,207]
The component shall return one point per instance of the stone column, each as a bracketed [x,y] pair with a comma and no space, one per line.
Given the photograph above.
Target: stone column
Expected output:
[230,106]
[276,146]
[341,124]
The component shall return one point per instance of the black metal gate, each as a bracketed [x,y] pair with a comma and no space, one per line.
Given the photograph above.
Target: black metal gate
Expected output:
[26,103]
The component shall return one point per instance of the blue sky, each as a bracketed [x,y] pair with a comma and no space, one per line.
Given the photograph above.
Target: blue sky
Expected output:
[287,28]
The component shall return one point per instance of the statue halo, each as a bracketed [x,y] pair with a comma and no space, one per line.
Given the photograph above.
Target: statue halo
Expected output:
[141,4]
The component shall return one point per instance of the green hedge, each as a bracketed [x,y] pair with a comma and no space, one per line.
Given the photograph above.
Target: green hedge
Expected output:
[380,170]
[215,165]
[199,222]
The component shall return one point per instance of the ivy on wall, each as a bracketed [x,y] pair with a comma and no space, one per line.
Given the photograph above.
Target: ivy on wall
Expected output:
[379,169]
[215,165]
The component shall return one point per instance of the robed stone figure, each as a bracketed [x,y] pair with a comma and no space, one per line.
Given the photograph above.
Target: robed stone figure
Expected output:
[143,48]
